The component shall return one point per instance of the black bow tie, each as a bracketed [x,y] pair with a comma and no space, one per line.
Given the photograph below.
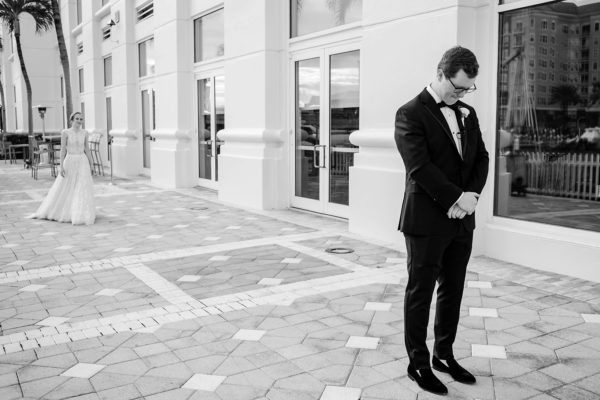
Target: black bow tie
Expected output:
[453,106]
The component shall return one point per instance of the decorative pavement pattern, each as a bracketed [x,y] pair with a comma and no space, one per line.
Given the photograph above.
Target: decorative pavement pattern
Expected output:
[173,295]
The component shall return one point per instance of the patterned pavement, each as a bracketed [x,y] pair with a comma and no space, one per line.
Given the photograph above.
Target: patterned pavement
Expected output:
[173,295]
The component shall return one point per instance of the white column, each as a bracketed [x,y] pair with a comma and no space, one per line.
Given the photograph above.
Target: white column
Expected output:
[392,73]
[126,147]
[253,169]
[172,152]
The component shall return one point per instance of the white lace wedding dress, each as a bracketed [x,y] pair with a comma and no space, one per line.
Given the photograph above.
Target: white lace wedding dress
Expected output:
[71,198]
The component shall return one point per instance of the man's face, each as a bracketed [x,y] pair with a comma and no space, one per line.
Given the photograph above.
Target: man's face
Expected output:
[454,89]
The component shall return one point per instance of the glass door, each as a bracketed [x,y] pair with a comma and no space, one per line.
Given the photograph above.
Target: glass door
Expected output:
[148,124]
[211,120]
[326,111]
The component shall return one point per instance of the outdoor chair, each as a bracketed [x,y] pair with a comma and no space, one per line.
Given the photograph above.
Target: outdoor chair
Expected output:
[94,145]
[40,157]
[4,146]
[18,149]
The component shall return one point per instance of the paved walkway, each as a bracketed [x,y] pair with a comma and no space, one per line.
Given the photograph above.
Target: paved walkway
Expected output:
[173,295]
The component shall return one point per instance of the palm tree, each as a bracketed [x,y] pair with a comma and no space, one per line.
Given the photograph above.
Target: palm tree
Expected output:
[2,99]
[64,57]
[41,12]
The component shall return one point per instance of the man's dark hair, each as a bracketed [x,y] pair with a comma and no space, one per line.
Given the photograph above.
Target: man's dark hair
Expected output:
[457,58]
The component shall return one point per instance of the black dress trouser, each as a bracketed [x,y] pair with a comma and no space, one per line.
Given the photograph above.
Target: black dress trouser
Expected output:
[434,258]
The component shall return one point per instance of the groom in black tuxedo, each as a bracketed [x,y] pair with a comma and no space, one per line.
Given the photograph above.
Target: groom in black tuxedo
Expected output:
[446,162]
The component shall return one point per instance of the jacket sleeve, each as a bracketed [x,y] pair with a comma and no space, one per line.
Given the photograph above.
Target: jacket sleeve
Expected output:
[479,173]
[412,144]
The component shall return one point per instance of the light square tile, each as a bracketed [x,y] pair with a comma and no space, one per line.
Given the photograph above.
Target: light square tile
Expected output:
[32,288]
[202,217]
[108,292]
[150,329]
[156,216]
[340,393]
[136,208]
[189,278]
[251,218]
[488,351]
[101,235]
[483,312]
[10,245]
[180,226]
[154,237]
[373,306]
[291,261]
[591,318]
[288,229]
[122,249]
[270,281]
[233,227]
[208,383]
[212,238]
[83,370]
[479,284]
[19,262]
[120,201]
[219,258]
[131,224]
[65,247]
[249,334]
[49,233]
[362,342]
[52,321]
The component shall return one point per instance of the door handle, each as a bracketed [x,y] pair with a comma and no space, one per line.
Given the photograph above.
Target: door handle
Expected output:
[317,156]
[208,144]
[150,137]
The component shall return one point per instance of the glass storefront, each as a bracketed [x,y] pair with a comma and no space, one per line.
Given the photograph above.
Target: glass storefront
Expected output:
[548,117]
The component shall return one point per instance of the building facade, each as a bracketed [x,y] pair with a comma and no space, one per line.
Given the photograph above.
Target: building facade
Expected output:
[278,104]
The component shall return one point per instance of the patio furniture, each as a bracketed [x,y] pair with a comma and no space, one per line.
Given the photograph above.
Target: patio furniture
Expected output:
[94,145]
[40,157]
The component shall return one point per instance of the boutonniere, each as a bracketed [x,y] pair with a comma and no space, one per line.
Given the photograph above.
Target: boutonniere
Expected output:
[464,111]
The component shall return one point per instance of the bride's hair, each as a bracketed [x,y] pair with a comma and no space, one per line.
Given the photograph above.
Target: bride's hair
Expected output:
[73,114]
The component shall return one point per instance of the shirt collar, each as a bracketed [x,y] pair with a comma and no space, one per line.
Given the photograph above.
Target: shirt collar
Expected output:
[433,94]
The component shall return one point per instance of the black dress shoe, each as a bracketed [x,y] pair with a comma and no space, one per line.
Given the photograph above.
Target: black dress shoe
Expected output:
[427,380]
[454,369]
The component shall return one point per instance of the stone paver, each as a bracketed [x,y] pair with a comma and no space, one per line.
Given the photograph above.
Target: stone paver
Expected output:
[199,300]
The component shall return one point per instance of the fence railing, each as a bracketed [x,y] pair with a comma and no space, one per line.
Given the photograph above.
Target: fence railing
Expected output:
[575,175]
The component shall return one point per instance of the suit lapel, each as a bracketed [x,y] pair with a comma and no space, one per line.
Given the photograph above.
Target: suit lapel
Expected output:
[431,106]
[463,138]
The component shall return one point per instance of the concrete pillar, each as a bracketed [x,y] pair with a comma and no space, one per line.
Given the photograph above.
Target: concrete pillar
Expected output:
[127,144]
[253,170]
[172,152]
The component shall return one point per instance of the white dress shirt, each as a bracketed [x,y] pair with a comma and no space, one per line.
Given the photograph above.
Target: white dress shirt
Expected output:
[450,118]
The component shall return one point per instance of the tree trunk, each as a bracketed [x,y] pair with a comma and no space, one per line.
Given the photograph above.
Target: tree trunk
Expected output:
[25,78]
[64,56]
[3,100]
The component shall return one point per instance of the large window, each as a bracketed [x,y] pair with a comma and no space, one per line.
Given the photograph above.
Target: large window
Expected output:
[108,71]
[308,16]
[147,60]
[548,155]
[81,80]
[209,37]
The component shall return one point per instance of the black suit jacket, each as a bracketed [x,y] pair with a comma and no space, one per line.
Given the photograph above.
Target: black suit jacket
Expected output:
[436,175]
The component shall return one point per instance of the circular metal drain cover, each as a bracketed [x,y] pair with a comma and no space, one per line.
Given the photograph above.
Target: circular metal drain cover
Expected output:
[339,250]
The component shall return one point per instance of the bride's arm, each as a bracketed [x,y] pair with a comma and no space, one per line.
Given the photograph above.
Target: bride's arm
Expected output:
[63,151]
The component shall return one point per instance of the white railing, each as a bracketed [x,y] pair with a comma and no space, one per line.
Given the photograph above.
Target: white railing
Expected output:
[575,175]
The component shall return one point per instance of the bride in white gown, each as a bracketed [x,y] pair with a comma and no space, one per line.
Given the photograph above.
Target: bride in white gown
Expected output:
[71,197]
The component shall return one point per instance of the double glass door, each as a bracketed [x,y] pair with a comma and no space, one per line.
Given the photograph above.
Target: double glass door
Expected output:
[326,111]
[211,119]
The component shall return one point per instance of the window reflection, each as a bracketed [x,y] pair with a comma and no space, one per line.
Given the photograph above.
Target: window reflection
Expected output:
[204,129]
[316,15]
[209,37]
[308,110]
[344,113]
[147,61]
[548,167]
